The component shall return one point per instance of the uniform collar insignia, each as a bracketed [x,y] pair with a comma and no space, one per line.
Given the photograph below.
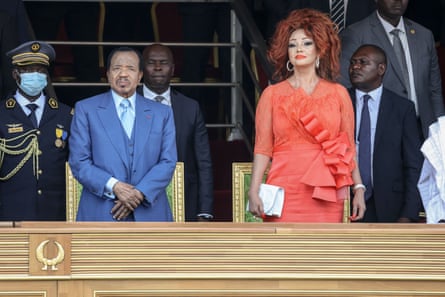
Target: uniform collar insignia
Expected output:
[10,103]
[53,103]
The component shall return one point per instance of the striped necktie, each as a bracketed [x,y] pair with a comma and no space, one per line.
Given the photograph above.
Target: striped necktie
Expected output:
[338,14]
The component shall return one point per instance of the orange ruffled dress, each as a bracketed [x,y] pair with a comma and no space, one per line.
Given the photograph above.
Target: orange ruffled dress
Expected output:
[309,139]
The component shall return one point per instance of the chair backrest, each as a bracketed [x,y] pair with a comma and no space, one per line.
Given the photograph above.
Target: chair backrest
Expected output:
[175,193]
[241,178]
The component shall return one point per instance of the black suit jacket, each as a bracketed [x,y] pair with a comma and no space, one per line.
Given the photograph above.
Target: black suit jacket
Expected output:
[192,143]
[397,159]
[193,148]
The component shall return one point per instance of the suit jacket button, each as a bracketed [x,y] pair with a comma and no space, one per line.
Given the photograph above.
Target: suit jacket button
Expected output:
[39,192]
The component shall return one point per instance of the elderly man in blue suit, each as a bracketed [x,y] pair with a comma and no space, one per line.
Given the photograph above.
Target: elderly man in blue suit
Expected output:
[123,148]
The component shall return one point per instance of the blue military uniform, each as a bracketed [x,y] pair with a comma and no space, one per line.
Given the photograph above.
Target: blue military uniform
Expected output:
[32,160]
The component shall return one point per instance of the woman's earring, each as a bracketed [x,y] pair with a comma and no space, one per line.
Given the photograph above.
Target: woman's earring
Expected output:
[317,62]
[288,66]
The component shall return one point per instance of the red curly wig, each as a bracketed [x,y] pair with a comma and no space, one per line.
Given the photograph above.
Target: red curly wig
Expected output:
[317,26]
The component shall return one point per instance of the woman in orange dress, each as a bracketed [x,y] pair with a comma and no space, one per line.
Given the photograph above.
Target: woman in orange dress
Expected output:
[305,126]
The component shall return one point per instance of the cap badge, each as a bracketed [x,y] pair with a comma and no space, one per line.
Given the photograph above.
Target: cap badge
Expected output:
[35,47]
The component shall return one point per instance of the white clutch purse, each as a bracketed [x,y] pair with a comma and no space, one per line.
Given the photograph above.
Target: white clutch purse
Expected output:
[272,198]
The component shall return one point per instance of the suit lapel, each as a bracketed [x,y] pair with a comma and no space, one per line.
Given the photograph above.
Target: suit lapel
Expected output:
[19,115]
[143,124]
[413,47]
[384,114]
[175,107]
[106,112]
[383,40]
[354,103]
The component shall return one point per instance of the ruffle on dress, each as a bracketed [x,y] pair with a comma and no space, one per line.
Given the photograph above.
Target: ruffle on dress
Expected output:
[330,172]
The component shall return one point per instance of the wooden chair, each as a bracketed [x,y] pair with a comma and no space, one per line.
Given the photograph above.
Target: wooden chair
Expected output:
[175,193]
[241,178]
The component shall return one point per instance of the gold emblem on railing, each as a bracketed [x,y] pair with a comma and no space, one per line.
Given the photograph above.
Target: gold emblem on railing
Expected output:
[50,262]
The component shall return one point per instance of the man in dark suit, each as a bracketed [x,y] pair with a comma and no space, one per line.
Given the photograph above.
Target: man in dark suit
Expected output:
[191,134]
[394,141]
[422,83]
[34,131]
[122,148]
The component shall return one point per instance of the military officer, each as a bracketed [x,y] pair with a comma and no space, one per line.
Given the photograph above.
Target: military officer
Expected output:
[34,131]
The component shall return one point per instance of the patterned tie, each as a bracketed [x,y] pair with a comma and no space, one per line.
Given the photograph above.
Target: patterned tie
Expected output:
[364,153]
[338,14]
[126,117]
[159,98]
[400,53]
[32,115]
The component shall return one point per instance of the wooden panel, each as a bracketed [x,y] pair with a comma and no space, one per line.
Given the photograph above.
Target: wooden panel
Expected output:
[28,289]
[49,254]
[229,259]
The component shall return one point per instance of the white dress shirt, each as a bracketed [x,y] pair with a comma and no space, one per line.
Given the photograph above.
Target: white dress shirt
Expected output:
[40,102]
[151,95]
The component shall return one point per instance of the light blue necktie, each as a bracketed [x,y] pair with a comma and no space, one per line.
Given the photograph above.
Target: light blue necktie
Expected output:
[126,116]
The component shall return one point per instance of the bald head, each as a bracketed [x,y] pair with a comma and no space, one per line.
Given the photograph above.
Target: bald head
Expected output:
[158,67]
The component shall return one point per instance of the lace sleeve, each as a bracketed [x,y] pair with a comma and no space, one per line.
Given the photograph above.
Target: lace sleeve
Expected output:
[263,124]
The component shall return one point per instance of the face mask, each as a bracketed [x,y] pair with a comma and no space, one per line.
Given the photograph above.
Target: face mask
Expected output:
[32,83]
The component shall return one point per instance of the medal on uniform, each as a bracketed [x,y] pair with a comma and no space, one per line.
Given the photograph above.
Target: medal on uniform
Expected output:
[59,142]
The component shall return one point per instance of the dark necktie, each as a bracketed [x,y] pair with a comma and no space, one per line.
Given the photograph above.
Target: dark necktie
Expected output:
[338,13]
[400,53]
[159,98]
[364,152]
[32,115]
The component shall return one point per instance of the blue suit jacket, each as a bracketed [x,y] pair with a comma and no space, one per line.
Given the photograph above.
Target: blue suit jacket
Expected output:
[425,64]
[397,159]
[97,147]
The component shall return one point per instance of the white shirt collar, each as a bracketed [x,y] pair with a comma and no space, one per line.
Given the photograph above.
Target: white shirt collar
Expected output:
[375,94]
[151,95]
[22,101]
[117,100]
[389,27]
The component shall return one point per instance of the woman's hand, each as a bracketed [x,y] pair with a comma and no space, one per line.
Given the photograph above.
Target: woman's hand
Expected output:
[255,204]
